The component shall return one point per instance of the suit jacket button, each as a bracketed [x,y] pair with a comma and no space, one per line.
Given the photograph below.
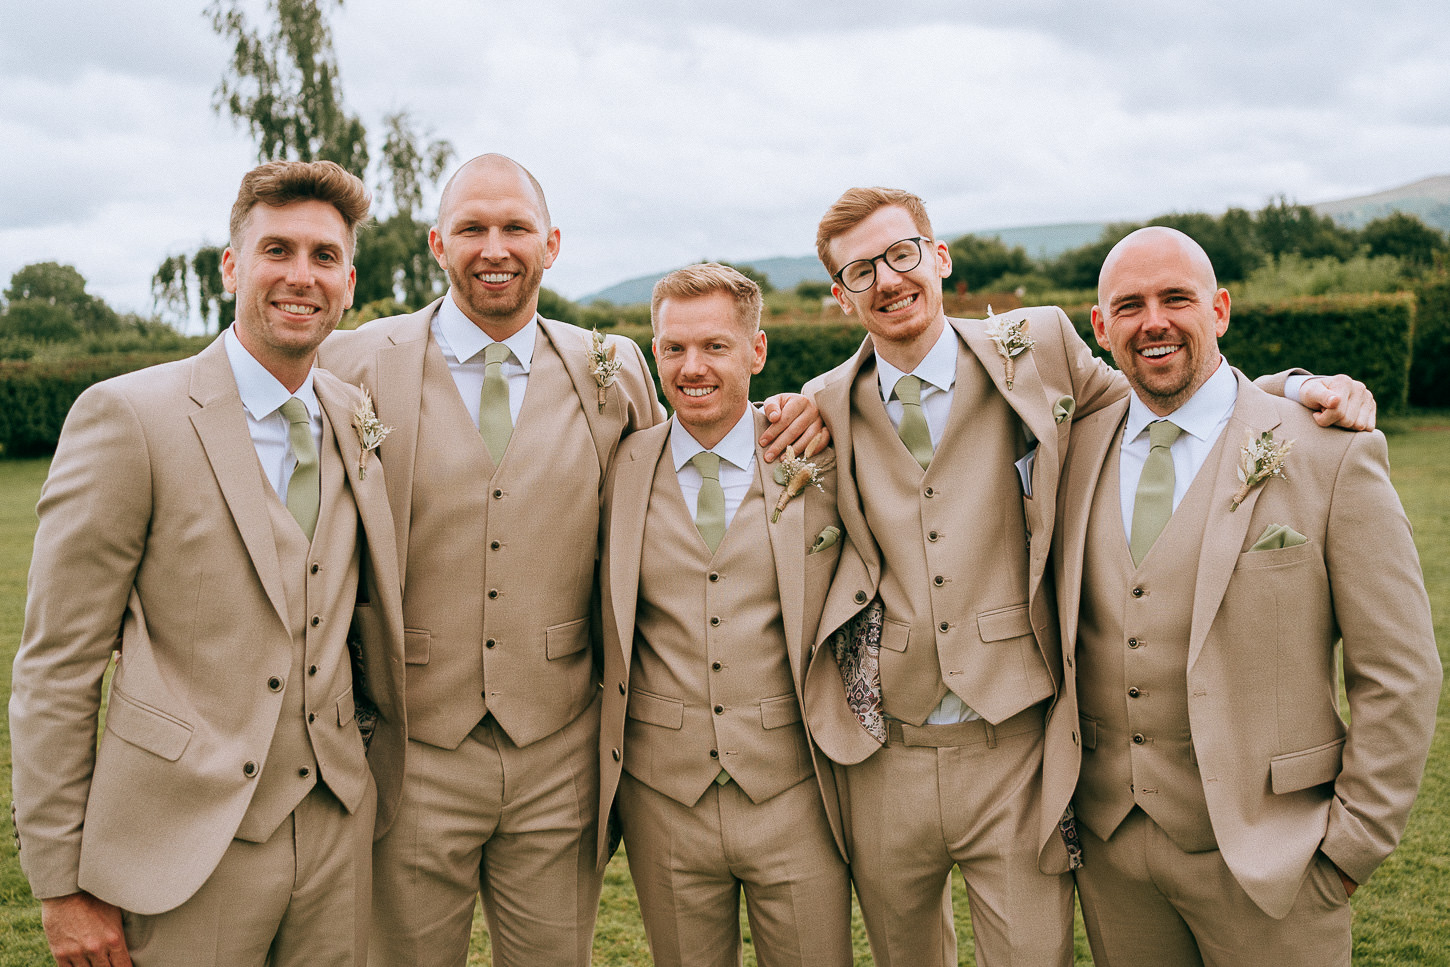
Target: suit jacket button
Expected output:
[938,580]
[274,683]
[860,597]
[304,772]
[489,643]
[316,620]
[249,769]
[311,717]
[715,666]
[714,753]
[316,568]
[497,494]
[944,626]
[621,688]
[1137,592]
[1133,642]
[492,593]
[312,669]
[930,492]
[1133,692]
[719,710]
[615,753]
[714,576]
[932,536]
[714,621]
[494,545]
[1074,737]
[1138,738]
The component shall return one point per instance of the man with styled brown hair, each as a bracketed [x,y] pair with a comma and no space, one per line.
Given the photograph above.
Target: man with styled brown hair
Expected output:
[713,575]
[937,697]
[220,522]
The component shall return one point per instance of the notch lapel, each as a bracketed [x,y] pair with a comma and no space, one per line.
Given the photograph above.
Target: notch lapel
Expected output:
[787,547]
[1093,439]
[633,481]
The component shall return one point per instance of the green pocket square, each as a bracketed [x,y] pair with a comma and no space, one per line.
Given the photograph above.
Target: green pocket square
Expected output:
[1062,410]
[1276,536]
[826,538]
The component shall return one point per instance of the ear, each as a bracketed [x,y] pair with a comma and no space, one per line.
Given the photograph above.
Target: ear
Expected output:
[229,271]
[943,259]
[1100,329]
[551,248]
[757,363]
[1221,311]
[435,245]
[351,285]
[841,299]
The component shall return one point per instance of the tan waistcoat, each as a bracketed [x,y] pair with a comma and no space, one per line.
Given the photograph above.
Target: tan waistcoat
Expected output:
[1132,669]
[711,684]
[315,736]
[518,546]
[931,526]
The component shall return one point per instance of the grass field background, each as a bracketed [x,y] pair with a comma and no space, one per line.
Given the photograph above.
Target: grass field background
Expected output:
[1402,917]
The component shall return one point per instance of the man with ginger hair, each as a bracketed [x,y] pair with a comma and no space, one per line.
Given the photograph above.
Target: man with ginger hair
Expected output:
[220,523]
[1227,810]
[504,425]
[711,602]
[939,694]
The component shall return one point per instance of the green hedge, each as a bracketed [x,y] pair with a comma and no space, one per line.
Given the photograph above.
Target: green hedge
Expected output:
[1366,336]
[36,396]
[1430,366]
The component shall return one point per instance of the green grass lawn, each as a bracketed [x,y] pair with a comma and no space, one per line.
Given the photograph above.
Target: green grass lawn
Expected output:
[1401,917]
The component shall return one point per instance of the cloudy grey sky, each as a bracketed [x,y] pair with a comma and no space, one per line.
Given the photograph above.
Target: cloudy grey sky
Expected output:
[666,130]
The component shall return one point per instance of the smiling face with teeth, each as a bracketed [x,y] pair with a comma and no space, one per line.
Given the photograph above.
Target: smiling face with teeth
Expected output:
[903,310]
[706,356]
[291,271]
[1160,312]
[494,240]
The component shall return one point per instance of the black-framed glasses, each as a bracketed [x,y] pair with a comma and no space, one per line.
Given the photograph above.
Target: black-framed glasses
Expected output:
[902,256]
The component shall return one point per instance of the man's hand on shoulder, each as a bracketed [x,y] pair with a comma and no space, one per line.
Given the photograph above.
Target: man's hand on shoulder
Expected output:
[84,932]
[795,421]
[1339,401]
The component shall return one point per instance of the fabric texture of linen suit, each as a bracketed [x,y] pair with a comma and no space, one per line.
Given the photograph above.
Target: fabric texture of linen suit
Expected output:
[803,579]
[498,573]
[154,540]
[1283,775]
[1059,366]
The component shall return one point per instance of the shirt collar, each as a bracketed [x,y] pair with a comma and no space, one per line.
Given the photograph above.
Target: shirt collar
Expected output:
[938,367]
[1200,416]
[737,446]
[262,393]
[465,340]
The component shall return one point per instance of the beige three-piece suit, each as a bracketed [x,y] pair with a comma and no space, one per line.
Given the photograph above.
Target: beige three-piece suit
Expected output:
[498,565]
[704,662]
[230,729]
[1206,684]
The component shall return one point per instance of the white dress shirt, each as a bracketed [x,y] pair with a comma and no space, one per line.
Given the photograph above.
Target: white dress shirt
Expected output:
[463,344]
[736,451]
[262,398]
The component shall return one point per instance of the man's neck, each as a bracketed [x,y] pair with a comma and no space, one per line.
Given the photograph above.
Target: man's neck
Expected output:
[907,354]
[499,328]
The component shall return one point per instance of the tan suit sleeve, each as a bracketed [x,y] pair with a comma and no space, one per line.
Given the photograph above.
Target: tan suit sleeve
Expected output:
[94,511]
[1392,670]
[643,403]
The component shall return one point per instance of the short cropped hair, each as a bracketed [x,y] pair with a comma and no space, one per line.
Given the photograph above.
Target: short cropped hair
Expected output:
[708,278]
[278,183]
[858,204]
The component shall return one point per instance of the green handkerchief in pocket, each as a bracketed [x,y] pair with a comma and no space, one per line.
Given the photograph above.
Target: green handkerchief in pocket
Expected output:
[1276,536]
[826,538]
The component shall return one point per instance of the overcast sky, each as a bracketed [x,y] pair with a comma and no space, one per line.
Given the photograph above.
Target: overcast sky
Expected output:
[668,131]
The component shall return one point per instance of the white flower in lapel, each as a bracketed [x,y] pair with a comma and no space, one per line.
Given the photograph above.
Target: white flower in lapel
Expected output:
[1011,339]
[370,430]
[1258,461]
[602,364]
[795,474]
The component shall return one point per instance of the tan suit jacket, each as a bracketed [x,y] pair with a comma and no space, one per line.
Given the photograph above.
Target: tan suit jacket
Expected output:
[1283,774]
[443,609]
[154,539]
[1059,366]
[803,577]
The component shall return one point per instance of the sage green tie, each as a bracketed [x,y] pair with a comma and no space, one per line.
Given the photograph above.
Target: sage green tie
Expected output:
[1153,503]
[304,490]
[710,508]
[913,429]
[495,422]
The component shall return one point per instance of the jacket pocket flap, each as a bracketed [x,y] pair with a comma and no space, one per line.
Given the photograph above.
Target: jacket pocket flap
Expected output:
[894,634]
[1004,623]
[653,709]
[778,712]
[1293,771]
[415,646]
[1089,729]
[146,727]
[567,638]
[345,708]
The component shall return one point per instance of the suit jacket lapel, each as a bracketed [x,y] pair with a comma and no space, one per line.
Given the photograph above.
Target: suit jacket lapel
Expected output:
[834,401]
[221,425]
[399,401]
[633,481]
[1224,535]
[787,547]
[1092,441]
[573,350]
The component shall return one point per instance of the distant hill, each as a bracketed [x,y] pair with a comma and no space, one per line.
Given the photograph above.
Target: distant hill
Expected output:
[1428,199]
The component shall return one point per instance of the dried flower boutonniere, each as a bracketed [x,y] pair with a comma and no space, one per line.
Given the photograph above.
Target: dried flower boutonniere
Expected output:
[796,473]
[602,364]
[1011,339]
[370,431]
[1258,461]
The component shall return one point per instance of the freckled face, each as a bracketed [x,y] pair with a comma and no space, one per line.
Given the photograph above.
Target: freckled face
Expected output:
[902,307]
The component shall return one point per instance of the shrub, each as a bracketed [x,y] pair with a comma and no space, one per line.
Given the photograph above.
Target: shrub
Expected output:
[1430,367]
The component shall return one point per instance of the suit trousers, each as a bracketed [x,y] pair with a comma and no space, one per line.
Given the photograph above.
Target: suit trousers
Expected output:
[514,825]
[967,795]
[689,864]
[301,899]
[1145,901]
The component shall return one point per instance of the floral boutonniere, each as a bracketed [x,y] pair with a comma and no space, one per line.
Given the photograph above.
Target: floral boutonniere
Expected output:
[602,364]
[1258,461]
[370,431]
[795,473]
[1011,339]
